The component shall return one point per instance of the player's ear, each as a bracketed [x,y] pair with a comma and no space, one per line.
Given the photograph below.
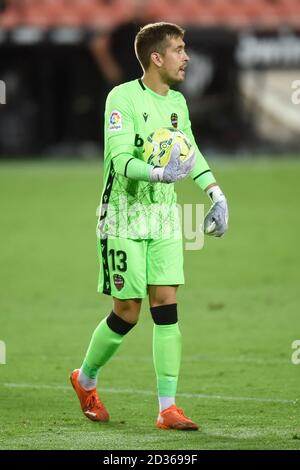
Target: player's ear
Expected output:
[156,58]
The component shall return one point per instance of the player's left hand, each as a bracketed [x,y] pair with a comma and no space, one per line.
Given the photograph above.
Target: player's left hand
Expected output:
[216,220]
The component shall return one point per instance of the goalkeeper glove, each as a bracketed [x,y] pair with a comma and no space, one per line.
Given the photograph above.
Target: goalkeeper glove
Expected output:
[216,220]
[175,170]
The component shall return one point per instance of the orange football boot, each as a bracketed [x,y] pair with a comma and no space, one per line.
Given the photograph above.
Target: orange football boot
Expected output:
[90,402]
[174,418]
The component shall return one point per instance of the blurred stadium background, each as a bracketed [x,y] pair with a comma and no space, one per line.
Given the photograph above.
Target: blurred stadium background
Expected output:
[240,306]
[245,58]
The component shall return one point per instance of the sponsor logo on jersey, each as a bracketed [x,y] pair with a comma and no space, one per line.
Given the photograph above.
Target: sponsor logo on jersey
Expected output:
[119,281]
[174,120]
[115,121]
[138,141]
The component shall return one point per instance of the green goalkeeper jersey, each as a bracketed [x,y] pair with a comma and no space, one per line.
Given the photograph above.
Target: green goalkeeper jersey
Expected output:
[130,208]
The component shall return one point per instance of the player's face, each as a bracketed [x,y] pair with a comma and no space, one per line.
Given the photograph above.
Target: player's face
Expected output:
[175,60]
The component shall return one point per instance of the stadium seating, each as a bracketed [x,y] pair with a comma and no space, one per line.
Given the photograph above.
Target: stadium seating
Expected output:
[106,13]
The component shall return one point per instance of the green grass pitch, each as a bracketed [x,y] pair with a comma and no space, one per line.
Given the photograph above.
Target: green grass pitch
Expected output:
[239,314]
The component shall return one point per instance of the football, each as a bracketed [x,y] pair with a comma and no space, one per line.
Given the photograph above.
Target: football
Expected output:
[159,144]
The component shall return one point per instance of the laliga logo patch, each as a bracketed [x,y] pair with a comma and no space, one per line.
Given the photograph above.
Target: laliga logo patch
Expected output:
[119,281]
[174,120]
[115,121]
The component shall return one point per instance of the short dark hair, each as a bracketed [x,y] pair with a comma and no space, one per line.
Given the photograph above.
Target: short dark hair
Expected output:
[154,38]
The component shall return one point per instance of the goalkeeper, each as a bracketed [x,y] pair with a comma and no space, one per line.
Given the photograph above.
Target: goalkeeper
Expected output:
[134,262]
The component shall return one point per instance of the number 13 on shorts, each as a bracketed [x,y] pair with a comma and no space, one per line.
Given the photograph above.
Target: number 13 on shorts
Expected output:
[128,266]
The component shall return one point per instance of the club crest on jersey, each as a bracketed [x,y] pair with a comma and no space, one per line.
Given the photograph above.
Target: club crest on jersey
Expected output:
[119,281]
[174,120]
[115,121]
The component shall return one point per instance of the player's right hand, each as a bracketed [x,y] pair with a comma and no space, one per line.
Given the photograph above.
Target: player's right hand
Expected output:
[175,169]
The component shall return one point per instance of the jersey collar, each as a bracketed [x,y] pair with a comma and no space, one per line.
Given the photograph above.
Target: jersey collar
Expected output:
[145,88]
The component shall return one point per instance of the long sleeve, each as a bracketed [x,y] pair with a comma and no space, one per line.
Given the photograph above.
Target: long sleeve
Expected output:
[131,167]
[120,136]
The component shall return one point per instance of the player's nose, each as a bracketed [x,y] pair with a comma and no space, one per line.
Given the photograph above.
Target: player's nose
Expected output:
[186,57]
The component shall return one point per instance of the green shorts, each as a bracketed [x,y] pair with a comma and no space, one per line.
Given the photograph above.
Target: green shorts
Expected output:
[128,266]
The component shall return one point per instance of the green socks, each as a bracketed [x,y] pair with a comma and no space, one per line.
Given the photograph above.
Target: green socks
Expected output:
[105,341]
[109,335]
[166,358]
[166,349]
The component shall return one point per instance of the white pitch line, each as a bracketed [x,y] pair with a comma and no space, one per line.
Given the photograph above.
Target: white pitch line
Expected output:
[131,391]
[221,359]
[239,360]
[197,358]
